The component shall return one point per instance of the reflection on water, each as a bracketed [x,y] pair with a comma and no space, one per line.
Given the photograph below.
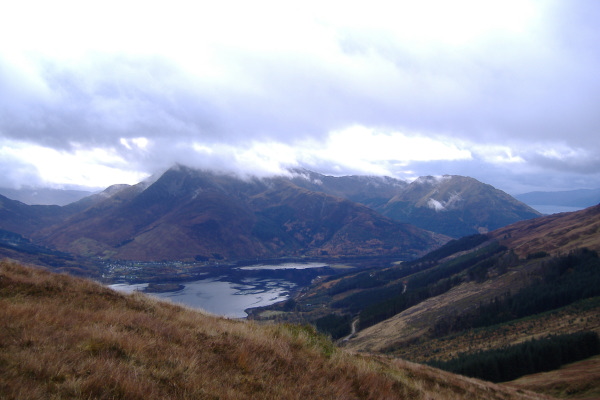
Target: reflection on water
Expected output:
[127,288]
[228,291]
[222,297]
[283,266]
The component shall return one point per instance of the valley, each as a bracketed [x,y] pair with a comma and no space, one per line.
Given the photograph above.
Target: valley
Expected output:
[228,290]
[434,271]
[302,200]
[472,295]
[71,338]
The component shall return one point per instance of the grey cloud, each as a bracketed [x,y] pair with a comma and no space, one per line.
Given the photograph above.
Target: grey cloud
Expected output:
[580,162]
[14,174]
[512,178]
[479,96]
[116,98]
[542,87]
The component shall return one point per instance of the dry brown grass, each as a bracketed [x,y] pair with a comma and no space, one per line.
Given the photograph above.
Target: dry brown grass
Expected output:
[69,338]
[555,234]
[415,322]
[579,380]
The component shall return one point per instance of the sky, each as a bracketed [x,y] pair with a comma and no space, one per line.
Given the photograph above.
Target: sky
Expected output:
[99,93]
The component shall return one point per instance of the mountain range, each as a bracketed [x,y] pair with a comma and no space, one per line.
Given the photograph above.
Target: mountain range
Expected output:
[486,304]
[452,205]
[189,214]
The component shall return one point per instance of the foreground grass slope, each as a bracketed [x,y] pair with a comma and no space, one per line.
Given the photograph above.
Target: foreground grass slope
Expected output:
[64,337]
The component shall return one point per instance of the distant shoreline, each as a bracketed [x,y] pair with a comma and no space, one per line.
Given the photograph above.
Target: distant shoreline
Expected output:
[163,287]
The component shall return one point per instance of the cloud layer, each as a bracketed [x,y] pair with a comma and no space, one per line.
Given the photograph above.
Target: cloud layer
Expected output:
[506,91]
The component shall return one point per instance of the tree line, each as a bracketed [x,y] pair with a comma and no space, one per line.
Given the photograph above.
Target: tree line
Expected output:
[562,281]
[380,304]
[536,355]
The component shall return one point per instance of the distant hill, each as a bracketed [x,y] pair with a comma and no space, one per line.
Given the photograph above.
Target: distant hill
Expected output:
[68,338]
[372,191]
[24,219]
[44,196]
[189,214]
[554,234]
[456,206]
[452,205]
[581,198]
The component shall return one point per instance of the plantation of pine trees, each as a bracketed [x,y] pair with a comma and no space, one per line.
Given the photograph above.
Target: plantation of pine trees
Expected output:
[564,280]
[536,355]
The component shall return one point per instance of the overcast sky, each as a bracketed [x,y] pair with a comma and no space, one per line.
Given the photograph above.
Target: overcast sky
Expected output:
[508,92]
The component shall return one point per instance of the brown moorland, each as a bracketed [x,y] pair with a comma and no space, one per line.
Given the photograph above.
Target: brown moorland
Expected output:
[554,234]
[583,316]
[580,380]
[64,337]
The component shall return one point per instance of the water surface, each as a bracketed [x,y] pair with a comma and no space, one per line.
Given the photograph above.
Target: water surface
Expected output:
[237,289]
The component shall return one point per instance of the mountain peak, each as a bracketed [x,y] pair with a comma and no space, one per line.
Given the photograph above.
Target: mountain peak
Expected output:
[191,214]
[432,179]
[455,205]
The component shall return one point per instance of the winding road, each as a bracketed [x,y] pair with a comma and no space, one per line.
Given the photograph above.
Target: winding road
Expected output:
[352,331]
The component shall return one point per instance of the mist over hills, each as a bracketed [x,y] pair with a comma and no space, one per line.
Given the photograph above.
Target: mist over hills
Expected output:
[419,309]
[44,196]
[189,214]
[456,205]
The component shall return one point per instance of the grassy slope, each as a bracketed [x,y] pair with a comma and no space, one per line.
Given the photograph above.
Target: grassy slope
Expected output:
[582,316]
[68,338]
[554,234]
[580,380]
[409,325]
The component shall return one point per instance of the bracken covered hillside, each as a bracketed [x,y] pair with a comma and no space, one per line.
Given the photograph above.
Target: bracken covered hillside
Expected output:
[64,337]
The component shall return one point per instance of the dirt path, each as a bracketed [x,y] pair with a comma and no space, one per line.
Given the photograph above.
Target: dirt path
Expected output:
[352,331]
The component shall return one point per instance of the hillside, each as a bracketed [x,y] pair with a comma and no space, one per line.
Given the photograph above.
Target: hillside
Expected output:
[509,260]
[556,233]
[455,206]
[476,293]
[189,214]
[69,338]
[25,219]
[580,379]
[452,205]
[44,196]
